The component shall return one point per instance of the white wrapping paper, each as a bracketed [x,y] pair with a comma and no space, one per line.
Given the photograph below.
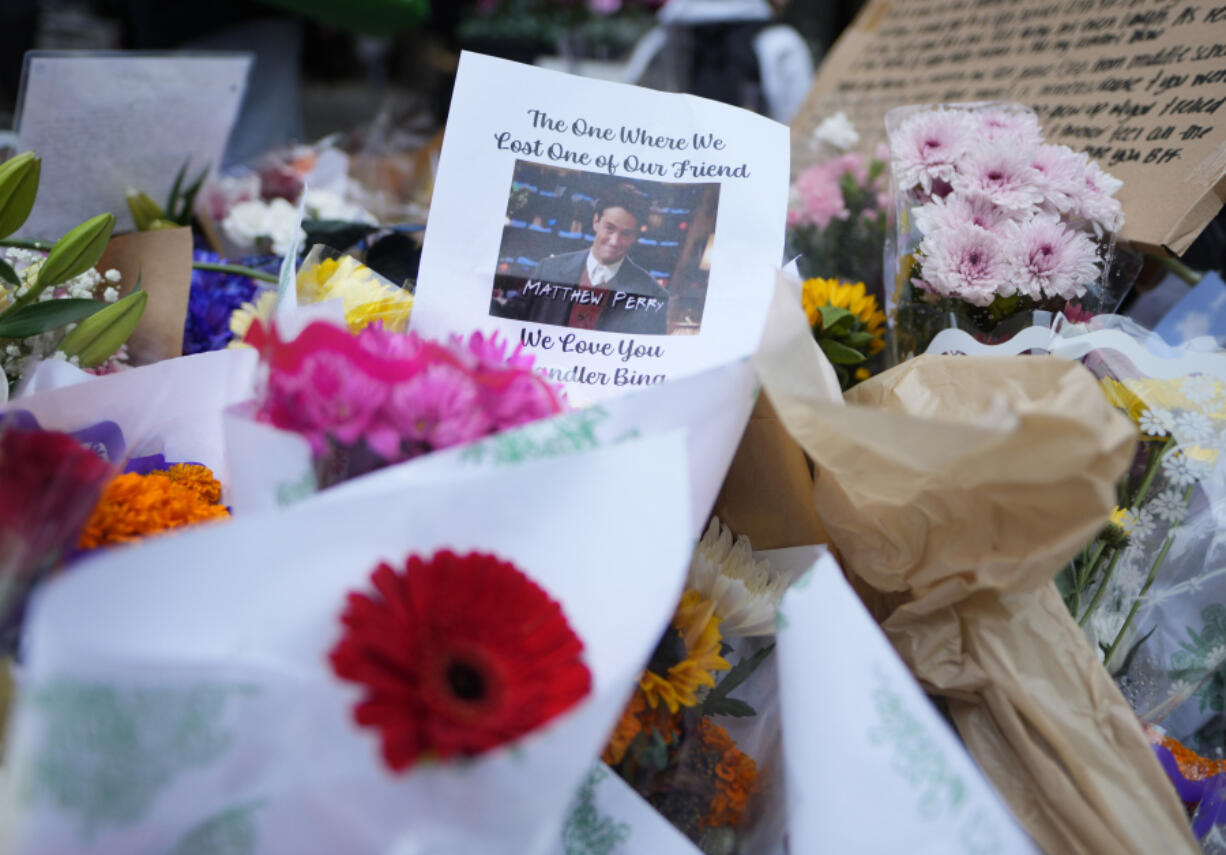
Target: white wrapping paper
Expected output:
[177,692]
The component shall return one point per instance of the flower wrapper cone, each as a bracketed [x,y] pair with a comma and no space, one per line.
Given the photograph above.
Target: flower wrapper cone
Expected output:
[958,487]
[161,261]
[879,770]
[273,467]
[209,649]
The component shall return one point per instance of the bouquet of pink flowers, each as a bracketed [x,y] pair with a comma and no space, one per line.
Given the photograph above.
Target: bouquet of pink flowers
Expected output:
[377,398]
[993,223]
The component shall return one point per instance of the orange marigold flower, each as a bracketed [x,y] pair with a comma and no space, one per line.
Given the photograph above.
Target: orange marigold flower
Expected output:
[638,718]
[735,774]
[198,478]
[135,506]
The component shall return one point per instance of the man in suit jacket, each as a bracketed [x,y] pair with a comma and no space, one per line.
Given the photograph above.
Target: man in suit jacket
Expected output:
[601,288]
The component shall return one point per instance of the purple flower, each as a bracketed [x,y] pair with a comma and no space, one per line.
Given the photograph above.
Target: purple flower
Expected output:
[927,145]
[1049,259]
[1096,203]
[212,299]
[968,264]
[1004,173]
[1060,175]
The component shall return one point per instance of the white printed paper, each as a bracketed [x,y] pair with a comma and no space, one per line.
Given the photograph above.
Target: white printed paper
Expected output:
[104,122]
[870,766]
[178,691]
[624,236]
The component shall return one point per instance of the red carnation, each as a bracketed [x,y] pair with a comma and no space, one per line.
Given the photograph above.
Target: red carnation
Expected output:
[49,483]
[458,654]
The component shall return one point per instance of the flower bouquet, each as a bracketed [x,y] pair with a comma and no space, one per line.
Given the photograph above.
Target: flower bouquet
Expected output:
[452,676]
[993,224]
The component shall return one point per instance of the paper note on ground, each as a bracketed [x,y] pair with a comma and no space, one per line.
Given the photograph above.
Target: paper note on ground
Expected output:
[103,122]
[1139,86]
[870,766]
[625,236]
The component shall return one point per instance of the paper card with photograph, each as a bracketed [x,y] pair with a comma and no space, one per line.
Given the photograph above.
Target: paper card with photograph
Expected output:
[623,236]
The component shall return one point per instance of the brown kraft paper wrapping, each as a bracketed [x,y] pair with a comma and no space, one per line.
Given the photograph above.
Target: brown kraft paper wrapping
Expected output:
[957,487]
[162,261]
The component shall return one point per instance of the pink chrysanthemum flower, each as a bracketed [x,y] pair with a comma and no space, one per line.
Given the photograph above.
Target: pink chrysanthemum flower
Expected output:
[1004,173]
[968,264]
[816,197]
[927,146]
[1049,259]
[1096,203]
[1013,127]
[957,212]
[1060,175]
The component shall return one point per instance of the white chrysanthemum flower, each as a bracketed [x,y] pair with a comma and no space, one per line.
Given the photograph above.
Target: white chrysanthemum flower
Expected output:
[1182,470]
[1168,506]
[1194,428]
[1200,388]
[746,592]
[1139,523]
[837,132]
[1157,422]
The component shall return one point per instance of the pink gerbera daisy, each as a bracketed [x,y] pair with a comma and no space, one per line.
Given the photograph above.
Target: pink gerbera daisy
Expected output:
[1049,259]
[440,406]
[927,145]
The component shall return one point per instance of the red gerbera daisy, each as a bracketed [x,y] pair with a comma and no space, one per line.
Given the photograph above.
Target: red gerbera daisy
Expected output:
[458,655]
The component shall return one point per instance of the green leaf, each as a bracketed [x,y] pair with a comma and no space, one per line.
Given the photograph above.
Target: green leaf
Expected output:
[834,318]
[728,706]
[8,274]
[38,318]
[841,354]
[859,340]
[174,188]
[717,697]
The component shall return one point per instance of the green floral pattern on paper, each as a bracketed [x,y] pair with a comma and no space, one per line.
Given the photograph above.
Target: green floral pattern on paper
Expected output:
[293,492]
[587,832]
[568,434]
[921,761]
[105,752]
[231,832]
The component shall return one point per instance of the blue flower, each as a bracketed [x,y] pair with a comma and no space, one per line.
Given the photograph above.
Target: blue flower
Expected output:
[213,298]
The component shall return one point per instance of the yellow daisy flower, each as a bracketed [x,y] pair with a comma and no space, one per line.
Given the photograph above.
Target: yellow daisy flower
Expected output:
[245,315]
[698,627]
[365,295]
[853,298]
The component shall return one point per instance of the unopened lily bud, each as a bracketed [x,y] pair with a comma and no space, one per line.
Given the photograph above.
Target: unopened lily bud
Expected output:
[97,337]
[18,187]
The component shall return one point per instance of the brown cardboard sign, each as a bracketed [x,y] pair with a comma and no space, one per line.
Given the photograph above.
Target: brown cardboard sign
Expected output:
[162,261]
[1139,85]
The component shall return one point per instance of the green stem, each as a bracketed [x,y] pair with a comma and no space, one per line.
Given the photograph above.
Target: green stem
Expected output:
[1151,471]
[1136,605]
[1102,589]
[236,269]
[19,243]
[1187,274]
[1086,574]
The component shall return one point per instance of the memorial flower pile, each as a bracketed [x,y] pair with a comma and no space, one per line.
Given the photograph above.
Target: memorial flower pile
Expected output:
[376,398]
[993,221]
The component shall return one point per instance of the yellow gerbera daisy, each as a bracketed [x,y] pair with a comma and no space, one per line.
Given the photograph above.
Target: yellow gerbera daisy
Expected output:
[842,295]
[698,627]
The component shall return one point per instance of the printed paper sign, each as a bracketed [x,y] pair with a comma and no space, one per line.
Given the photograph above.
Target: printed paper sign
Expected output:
[104,122]
[876,769]
[623,236]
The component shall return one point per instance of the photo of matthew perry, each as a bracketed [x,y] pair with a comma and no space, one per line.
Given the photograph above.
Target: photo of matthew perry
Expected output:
[592,251]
